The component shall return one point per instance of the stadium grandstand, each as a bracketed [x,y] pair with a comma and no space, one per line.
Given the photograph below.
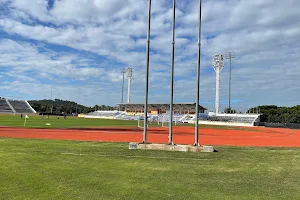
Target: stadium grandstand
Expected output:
[183,113]
[224,119]
[163,108]
[104,114]
[15,106]
[157,112]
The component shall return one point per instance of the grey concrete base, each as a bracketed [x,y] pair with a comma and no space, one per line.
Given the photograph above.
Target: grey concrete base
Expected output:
[166,147]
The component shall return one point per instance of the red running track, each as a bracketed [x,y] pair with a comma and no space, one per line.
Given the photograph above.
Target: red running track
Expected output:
[256,136]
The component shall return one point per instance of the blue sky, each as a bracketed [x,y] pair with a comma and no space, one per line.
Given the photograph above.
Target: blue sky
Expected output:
[80,48]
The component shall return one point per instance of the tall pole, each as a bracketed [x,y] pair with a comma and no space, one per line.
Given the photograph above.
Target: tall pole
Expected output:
[122,98]
[218,64]
[172,76]
[123,72]
[129,88]
[129,76]
[147,76]
[229,56]
[229,90]
[217,90]
[198,79]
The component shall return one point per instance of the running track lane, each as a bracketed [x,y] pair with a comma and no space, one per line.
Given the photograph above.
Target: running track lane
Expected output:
[182,135]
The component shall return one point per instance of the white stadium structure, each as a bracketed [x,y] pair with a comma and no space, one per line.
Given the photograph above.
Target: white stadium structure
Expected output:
[184,113]
[15,106]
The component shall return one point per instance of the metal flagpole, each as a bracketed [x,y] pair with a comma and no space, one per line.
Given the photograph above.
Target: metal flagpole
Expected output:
[229,90]
[172,76]
[198,79]
[147,76]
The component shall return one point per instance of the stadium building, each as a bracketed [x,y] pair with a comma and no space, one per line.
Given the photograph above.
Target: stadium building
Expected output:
[161,108]
[15,106]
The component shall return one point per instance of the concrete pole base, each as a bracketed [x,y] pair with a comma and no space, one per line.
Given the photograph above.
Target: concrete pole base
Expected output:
[167,147]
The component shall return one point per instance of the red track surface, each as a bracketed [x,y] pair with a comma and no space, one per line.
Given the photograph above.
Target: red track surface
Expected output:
[257,136]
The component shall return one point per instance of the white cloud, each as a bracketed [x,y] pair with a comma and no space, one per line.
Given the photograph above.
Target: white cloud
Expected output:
[25,57]
[264,35]
[36,8]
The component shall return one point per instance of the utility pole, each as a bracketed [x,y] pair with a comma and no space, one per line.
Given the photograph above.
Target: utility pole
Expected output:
[229,56]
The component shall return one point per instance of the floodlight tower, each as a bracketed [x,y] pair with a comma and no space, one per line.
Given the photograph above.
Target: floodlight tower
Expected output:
[129,76]
[123,71]
[229,56]
[218,64]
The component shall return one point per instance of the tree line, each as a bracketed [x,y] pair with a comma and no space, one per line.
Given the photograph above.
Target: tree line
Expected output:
[58,106]
[274,114]
[278,114]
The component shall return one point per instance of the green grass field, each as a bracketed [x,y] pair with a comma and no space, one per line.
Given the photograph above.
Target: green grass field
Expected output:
[48,169]
[36,121]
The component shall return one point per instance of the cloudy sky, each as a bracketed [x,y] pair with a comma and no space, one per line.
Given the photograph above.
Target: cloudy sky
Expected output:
[80,46]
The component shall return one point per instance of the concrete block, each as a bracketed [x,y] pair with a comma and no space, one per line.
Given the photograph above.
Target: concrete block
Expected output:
[208,149]
[166,147]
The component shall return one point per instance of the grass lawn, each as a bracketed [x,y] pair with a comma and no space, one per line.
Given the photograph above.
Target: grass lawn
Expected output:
[36,121]
[47,169]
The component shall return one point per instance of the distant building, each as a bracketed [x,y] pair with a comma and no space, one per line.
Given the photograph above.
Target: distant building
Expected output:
[161,108]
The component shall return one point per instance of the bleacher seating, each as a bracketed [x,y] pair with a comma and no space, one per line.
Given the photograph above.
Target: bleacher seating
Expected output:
[20,106]
[234,119]
[104,114]
[166,117]
[4,107]
[125,116]
[222,119]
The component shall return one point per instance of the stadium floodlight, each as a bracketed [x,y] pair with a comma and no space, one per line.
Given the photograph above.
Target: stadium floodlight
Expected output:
[147,76]
[218,64]
[123,71]
[172,76]
[198,78]
[129,76]
[229,56]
